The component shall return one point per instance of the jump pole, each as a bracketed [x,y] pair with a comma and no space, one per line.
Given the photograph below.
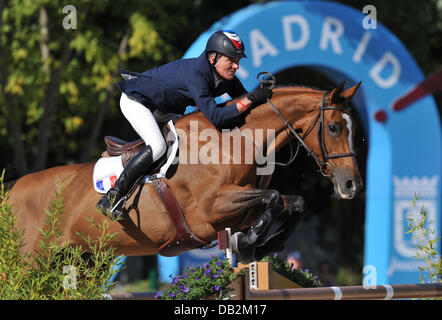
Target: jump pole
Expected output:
[381,292]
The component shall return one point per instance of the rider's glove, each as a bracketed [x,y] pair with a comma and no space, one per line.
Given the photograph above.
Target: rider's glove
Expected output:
[260,96]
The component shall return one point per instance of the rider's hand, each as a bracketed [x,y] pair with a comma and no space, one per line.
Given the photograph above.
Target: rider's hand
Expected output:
[260,96]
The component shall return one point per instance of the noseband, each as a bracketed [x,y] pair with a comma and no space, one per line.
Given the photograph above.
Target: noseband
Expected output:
[325,156]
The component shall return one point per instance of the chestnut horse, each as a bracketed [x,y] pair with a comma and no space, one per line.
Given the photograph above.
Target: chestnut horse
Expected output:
[212,196]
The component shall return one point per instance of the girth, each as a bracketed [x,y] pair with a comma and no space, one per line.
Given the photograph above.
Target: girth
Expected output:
[183,238]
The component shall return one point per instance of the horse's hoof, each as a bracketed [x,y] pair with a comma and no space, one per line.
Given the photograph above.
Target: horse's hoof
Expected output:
[299,204]
[234,241]
[243,248]
[296,204]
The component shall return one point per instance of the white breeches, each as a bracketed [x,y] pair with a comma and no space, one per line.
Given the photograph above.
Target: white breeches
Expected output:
[143,121]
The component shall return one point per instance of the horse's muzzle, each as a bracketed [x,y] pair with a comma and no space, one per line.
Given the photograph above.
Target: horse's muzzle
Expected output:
[346,185]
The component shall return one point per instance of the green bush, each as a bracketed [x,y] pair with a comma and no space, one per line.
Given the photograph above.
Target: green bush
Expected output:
[57,271]
[425,242]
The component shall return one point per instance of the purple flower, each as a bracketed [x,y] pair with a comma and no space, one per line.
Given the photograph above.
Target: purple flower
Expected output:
[216,275]
[186,289]
[219,264]
[158,295]
[216,288]
[171,294]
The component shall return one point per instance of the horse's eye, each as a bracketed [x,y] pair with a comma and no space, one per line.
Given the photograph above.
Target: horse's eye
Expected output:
[333,128]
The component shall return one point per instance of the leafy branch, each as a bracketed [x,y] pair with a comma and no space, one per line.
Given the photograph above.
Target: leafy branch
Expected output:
[425,242]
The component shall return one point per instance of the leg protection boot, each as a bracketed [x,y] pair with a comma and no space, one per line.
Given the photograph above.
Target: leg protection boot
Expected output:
[112,204]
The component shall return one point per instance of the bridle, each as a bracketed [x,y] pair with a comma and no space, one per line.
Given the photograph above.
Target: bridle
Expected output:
[325,156]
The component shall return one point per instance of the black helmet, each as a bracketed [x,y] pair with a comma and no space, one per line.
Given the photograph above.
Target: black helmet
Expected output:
[227,43]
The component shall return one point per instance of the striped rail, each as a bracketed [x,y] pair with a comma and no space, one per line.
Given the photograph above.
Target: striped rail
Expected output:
[380,292]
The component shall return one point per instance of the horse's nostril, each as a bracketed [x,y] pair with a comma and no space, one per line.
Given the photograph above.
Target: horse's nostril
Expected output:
[349,184]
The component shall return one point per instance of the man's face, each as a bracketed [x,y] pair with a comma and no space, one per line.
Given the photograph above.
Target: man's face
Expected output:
[226,66]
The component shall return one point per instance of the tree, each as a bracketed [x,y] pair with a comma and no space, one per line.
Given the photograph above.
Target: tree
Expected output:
[57,92]
[57,84]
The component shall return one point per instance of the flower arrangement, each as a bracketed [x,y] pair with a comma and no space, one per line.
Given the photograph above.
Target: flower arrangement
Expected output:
[199,282]
[214,276]
[303,277]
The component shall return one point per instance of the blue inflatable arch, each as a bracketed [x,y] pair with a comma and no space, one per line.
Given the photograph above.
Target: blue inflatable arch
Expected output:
[404,148]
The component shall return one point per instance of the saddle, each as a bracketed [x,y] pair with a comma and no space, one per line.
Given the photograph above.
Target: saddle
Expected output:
[129,149]
[183,238]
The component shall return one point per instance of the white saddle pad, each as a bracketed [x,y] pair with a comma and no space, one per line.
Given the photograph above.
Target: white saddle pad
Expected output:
[107,170]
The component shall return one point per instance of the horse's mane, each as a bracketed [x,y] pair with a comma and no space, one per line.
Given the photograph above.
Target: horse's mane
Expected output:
[282,86]
[297,85]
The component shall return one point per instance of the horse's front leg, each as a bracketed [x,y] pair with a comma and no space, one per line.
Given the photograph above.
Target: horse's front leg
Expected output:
[233,200]
[281,214]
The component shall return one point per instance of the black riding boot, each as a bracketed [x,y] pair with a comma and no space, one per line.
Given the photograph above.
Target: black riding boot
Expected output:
[112,204]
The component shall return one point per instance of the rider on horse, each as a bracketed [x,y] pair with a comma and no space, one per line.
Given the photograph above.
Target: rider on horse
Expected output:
[164,93]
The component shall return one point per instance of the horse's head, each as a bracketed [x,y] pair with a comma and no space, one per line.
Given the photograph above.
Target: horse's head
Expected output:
[330,137]
[322,123]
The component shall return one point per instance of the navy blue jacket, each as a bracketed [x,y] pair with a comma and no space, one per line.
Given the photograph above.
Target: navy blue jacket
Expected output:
[181,83]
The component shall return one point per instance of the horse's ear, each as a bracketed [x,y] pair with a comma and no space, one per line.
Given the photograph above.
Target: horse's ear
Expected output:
[349,93]
[336,92]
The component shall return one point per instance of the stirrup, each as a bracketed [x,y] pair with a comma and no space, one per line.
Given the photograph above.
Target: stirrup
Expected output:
[113,214]
[124,199]
[122,202]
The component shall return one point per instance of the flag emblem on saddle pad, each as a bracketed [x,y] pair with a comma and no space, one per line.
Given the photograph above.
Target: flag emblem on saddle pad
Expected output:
[236,40]
[106,182]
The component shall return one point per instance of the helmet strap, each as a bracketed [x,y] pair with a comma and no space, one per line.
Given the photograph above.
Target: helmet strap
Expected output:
[217,56]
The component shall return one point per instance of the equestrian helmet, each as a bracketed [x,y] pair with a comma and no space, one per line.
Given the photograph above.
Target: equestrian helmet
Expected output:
[227,43]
